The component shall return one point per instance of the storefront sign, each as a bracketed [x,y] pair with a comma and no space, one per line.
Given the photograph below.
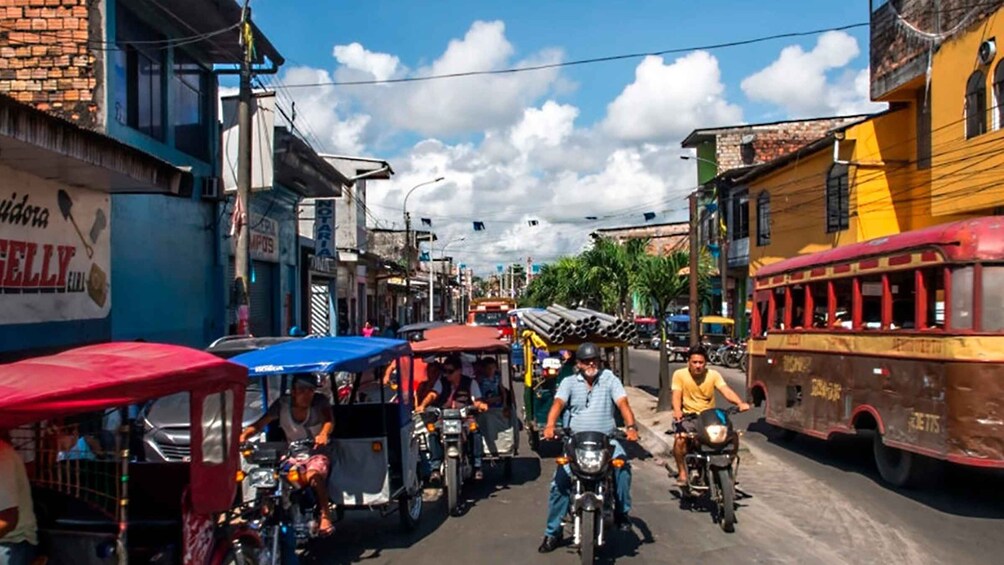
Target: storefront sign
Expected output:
[326,265]
[264,244]
[324,228]
[55,256]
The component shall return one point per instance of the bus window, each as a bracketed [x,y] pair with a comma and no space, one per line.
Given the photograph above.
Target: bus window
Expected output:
[993,298]
[843,291]
[934,283]
[902,285]
[780,304]
[762,309]
[798,306]
[820,303]
[962,298]
[871,302]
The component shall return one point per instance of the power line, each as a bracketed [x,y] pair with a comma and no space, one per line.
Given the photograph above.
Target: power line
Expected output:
[529,68]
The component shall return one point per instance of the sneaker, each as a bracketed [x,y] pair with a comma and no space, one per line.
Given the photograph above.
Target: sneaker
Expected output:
[478,474]
[549,544]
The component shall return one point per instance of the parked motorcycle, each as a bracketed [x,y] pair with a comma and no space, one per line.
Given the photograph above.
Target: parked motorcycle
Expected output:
[454,426]
[589,455]
[284,508]
[713,462]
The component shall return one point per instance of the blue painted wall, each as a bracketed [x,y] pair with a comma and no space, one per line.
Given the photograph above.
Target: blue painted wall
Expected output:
[279,205]
[166,270]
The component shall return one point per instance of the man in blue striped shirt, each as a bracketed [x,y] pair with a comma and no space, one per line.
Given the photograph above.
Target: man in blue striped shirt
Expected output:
[591,396]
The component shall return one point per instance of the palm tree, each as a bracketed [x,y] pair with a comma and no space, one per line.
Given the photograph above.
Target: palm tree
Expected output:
[611,263]
[661,280]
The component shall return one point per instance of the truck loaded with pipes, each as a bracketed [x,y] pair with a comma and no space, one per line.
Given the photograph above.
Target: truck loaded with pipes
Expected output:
[549,340]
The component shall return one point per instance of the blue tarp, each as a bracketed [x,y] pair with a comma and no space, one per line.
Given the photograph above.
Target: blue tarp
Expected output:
[323,355]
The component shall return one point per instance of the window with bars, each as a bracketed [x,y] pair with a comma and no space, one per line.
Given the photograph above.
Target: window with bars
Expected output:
[763,219]
[976,105]
[837,199]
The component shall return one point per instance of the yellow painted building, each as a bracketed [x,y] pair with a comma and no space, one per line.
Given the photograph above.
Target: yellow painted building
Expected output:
[936,156]
[967,124]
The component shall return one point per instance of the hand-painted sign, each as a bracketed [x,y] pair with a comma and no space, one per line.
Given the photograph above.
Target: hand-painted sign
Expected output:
[264,243]
[55,256]
[324,228]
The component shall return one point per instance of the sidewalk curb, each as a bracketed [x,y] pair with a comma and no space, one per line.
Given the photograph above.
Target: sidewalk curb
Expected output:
[651,439]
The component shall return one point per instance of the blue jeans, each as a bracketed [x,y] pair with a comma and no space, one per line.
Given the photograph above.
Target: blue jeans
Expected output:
[16,553]
[561,489]
[475,445]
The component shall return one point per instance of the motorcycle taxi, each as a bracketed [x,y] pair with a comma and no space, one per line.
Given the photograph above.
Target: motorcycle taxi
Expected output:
[72,417]
[499,426]
[374,459]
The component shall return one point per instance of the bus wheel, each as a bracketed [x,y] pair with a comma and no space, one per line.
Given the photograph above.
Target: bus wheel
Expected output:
[904,469]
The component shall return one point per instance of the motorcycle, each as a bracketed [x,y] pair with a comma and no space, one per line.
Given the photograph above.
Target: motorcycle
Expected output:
[589,455]
[712,462]
[284,509]
[454,425]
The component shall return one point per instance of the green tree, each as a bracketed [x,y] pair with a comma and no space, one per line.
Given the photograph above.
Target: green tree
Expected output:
[610,264]
[661,280]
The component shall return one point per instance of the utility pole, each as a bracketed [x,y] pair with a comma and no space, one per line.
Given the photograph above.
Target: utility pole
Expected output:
[241,295]
[407,268]
[695,318]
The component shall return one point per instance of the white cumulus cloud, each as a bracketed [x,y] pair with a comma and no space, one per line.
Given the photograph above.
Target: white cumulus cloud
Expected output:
[798,81]
[665,102]
[380,66]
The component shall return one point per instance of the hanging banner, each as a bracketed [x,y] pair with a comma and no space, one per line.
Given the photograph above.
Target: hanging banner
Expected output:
[55,255]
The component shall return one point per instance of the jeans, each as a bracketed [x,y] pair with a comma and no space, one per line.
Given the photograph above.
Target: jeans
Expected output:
[561,488]
[475,446]
[16,553]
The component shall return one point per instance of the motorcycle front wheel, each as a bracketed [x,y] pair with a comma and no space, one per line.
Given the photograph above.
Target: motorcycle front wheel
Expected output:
[452,485]
[726,500]
[587,537]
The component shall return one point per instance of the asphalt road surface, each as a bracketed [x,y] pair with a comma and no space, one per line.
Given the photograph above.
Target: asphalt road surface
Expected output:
[805,502]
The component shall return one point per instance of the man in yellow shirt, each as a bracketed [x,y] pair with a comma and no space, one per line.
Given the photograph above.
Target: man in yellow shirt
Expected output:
[694,392]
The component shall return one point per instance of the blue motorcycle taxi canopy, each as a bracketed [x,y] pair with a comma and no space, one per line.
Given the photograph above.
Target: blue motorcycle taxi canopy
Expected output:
[323,355]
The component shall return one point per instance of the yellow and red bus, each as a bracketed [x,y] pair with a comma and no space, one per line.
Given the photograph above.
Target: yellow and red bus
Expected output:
[901,336]
[491,312]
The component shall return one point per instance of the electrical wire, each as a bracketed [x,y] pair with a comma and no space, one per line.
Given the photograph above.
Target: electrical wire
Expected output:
[578,62]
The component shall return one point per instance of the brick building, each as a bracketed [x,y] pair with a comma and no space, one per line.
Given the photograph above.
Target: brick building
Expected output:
[119,130]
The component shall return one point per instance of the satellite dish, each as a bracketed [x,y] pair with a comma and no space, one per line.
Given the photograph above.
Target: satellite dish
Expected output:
[987,52]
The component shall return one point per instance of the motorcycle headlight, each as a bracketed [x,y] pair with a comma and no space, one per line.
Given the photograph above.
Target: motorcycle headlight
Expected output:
[590,460]
[717,433]
[261,478]
[452,426]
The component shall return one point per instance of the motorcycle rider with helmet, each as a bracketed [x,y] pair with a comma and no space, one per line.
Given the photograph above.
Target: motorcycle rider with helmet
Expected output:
[591,395]
[694,389]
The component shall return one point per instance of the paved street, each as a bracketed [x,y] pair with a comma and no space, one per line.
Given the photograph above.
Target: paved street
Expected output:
[807,502]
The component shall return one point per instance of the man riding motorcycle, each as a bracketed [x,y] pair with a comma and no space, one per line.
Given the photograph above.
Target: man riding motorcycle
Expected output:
[694,392]
[454,390]
[305,415]
[591,396]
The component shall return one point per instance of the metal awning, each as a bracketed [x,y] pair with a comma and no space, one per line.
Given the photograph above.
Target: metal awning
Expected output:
[51,148]
[197,17]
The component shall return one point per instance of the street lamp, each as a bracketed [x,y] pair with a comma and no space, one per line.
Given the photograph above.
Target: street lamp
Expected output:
[407,247]
[694,302]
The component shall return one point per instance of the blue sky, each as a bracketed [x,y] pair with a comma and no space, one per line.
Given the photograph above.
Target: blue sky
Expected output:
[522,147]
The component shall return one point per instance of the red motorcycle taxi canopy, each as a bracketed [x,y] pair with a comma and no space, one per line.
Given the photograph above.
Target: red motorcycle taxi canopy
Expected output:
[112,375]
[456,339]
[108,375]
